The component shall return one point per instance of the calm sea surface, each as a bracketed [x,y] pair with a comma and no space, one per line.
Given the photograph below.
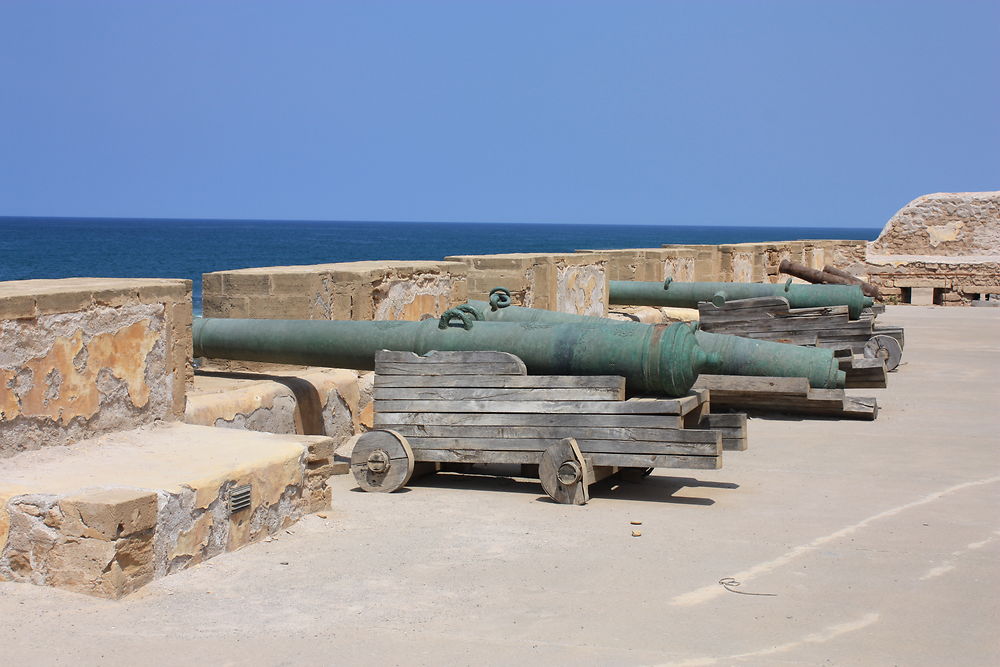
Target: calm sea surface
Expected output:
[68,247]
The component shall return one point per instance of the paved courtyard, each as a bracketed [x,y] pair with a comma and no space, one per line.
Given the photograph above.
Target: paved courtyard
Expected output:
[853,543]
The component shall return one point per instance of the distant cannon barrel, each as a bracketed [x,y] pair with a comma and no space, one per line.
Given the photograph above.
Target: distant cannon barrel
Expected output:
[810,274]
[689,295]
[662,360]
[867,288]
[737,355]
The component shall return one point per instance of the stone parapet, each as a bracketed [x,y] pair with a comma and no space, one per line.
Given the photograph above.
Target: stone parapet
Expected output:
[111,514]
[384,290]
[568,283]
[84,356]
[649,264]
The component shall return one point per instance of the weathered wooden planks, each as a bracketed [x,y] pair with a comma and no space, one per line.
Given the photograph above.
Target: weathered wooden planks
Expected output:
[770,318]
[597,459]
[482,407]
[792,395]
[498,394]
[861,372]
[623,434]
[661,407]
[653,447]
[391,419]
[732,427]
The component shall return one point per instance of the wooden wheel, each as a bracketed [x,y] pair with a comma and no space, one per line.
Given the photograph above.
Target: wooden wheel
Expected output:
[564,473]
[886,348]
[382,461]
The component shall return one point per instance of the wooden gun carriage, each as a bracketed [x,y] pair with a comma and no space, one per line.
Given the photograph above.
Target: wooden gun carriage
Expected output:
[455,408]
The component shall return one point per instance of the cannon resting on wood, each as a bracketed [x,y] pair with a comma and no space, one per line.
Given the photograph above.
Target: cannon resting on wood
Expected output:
[677,294]
[662,360]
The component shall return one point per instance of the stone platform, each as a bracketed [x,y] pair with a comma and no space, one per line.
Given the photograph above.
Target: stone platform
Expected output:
[107,515]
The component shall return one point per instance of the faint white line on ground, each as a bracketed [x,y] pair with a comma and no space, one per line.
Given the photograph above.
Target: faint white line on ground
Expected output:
[949,565]
[706,593]
[824,635]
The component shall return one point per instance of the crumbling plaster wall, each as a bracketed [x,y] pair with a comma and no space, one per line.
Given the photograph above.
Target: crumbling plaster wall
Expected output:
[736,262]
[80,357]
[391,290]
[568,283]
[947,244]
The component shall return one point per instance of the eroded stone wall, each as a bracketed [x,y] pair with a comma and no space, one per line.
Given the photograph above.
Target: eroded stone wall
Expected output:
[735,262]
[80,357]
[390,290]
[941,248]
[112,513]
[568,283]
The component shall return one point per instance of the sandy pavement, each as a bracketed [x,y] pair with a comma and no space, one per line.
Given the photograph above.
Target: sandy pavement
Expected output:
[867,543]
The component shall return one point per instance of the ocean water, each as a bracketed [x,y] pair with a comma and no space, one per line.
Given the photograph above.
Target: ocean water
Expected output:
[92,247]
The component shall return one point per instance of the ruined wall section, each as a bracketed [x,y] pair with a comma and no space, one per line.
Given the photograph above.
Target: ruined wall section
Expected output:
[569,283]
[941,248]
[391,290]
[80,357]
[735,262]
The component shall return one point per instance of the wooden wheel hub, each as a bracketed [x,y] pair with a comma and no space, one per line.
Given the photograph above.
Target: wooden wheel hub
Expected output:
[378,461]
[564,473]
[569,473]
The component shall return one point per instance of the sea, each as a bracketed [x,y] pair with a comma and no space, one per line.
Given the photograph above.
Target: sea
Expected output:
[162,248]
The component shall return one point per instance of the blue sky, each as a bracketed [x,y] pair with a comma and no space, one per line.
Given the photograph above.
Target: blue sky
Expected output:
[759,113]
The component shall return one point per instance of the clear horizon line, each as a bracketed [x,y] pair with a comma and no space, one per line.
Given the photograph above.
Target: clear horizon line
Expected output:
[422,222]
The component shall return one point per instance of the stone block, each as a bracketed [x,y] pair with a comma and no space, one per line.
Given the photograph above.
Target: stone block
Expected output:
[107,362]
[116,512]
[299,284]
[225,306]
[17,307]
[211,283]
[903,281]
[51,302]
[108,514]
[246,283]
[282,307]
[342,291]
[922,296]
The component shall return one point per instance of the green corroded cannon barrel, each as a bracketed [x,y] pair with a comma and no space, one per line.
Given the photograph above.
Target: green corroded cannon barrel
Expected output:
[661,360]
[738,355]
[688,295]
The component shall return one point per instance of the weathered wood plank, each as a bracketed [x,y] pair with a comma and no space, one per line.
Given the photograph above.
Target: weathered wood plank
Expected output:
[509,381]
[392,419]
[554,433]
[497,394]
[602,459]
[718,384]
[732,426]
[658,407]
[858,407]
[711,447]
[685,404]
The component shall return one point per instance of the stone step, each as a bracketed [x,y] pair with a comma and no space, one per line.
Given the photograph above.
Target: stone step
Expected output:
[107,515]
[310,401]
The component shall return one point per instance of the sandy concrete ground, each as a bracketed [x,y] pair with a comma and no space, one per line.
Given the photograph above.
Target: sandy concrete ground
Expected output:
[877,544]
